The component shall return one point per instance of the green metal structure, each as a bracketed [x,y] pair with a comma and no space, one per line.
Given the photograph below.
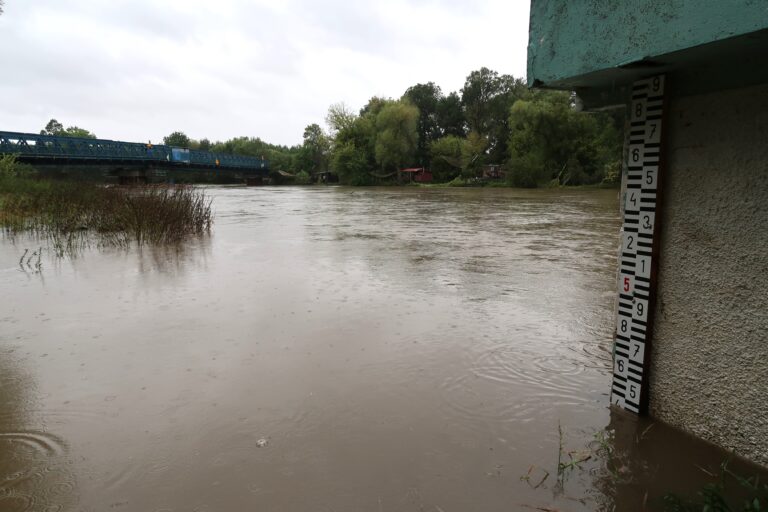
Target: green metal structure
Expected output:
[598,47]
[50,149]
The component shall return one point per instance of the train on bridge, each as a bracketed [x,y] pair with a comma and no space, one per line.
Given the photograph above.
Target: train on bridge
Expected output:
[51,149]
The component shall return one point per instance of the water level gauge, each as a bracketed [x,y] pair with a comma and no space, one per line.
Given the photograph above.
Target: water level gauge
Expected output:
[639,247]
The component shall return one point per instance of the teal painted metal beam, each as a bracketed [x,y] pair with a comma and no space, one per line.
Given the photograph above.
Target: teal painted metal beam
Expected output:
[609,43]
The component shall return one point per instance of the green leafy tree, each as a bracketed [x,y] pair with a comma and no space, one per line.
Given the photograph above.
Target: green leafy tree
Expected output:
[550,141]
[352,155]
[510,90]
[446,157]
[472,151]
[315,148]
[487,98]
[351,164]
[450,116]
[303,160]
[374,106]
[52,128]
[479,89]
[56,128]
[177,139]
[281,158]
[247,146]
[425,97]
[76,131]
[205,145]
[396,135]
[339,117]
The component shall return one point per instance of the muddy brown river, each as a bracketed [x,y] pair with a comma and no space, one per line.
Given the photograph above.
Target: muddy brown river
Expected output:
[332,349]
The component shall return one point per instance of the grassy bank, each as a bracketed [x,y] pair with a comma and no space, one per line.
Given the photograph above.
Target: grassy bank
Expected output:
[459,182]
[70,213]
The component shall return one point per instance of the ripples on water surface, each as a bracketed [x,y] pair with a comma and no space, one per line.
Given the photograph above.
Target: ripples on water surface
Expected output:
[399,349]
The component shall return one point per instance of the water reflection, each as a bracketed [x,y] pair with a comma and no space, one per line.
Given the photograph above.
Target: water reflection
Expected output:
[37,258]
[174,259]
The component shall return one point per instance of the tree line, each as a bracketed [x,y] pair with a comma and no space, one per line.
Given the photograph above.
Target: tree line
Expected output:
[533,137]
[56,128]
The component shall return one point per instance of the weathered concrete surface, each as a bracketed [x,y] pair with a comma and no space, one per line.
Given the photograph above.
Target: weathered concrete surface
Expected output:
[709,372]
[568,38]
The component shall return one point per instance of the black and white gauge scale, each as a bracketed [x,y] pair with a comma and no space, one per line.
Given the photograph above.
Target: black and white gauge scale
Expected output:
[639,247]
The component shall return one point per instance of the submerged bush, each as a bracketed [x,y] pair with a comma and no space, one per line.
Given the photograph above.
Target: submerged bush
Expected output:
[458,181]
[70,213]
[303,178]
[612,173]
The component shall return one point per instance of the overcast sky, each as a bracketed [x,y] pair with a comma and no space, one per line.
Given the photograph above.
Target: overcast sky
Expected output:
[139,69]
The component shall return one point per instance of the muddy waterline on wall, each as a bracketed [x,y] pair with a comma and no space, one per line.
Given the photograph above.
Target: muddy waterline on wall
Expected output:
[328,349]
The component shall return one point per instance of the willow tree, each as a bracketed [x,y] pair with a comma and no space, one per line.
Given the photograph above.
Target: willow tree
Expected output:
[551,141]
[352,145]
[446,157]
[397,135]
[425,97]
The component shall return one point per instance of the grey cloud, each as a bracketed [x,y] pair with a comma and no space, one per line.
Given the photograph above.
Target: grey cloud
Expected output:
[140,69]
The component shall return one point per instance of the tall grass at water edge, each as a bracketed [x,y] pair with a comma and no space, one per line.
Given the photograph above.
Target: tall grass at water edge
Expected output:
[71,214]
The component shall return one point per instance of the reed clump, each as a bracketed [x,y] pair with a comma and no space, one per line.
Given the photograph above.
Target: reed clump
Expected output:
[72,214]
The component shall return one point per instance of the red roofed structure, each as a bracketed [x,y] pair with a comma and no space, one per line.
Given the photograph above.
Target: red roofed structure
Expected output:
[418,174]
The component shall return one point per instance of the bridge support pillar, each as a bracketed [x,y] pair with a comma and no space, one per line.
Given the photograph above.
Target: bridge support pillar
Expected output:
[132,176]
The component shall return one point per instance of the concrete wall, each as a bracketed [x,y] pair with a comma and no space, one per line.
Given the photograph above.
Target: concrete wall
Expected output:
[709,368]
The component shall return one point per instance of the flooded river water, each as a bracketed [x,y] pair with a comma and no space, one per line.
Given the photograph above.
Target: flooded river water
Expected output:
[329,349]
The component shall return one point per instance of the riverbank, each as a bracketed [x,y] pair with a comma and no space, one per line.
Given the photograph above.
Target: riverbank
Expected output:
[504,184]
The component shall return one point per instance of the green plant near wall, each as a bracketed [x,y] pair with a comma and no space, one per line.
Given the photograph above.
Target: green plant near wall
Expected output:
[715,497]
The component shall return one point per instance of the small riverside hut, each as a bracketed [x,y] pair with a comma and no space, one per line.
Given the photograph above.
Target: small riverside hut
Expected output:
[324,177]
[492,172]
[690,346]
[418,175]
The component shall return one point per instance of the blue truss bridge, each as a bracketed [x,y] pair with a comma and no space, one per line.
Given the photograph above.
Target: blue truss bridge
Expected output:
[126,159]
